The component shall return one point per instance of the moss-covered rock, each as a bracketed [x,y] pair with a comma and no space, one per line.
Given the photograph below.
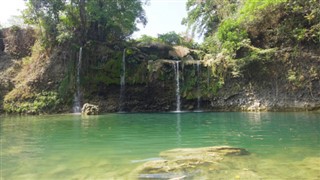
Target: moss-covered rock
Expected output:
[194,162]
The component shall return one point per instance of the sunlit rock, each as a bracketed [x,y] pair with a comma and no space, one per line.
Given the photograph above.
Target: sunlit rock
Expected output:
[179,52]
[90,109]
[193,162]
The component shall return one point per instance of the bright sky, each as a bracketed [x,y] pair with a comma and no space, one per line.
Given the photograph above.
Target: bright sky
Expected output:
[163,15]
[8,9]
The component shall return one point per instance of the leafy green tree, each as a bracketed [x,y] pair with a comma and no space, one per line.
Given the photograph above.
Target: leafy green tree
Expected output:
[231,35]
[204,16]
[83,20]
[171,38]
[147,39]
[113,20]
[46,15]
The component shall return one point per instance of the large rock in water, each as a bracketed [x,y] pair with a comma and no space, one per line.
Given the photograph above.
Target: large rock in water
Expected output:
[198,163]
[90,109]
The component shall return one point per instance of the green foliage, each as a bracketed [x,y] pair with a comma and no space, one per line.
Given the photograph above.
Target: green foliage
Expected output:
[170,38]
[66,84]
[251,7]
[44,14]
[189,87]
[145,39]
[218,72]
[106,74]
[112,19]
[296,78]
[83,20]
[292,76]
[305,26]
[31,103]
[231,35]
[137,73]
[205,16]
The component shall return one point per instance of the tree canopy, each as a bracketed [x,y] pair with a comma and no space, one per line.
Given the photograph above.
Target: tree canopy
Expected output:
[83,20]
[205,16]
[231,24]
[170,38]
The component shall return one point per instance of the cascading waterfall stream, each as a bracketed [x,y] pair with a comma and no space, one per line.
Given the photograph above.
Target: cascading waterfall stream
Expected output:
[77,96]
[198,86]
[176,70]
[123,81]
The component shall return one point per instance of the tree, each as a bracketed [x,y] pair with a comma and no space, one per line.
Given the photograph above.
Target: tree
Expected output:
[83,20]
[171,38]
[204,16]
[147,39]
[46,15]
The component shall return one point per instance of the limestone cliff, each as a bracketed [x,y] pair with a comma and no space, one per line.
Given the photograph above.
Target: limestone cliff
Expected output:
[44,81]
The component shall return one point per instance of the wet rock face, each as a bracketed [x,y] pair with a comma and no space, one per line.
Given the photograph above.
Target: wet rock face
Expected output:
[193,163]
[1,42]
[90,109]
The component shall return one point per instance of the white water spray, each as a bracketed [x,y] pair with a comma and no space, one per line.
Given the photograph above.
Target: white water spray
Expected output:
[176,70]
[123,81]
[198,86]
[77,96]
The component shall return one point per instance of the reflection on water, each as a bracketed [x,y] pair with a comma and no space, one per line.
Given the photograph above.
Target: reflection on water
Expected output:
[282,145]
[178,129]
[254,118]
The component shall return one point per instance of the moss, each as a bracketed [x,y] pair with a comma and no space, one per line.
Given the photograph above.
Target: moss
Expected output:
[104,74]
[31,103]
[137,74]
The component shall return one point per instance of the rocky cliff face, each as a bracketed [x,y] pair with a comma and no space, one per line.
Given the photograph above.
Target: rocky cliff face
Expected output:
[15,44]
[286,83]
[45,82]
[30,77]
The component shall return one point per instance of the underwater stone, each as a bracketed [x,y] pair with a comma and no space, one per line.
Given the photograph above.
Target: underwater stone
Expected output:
[188,162]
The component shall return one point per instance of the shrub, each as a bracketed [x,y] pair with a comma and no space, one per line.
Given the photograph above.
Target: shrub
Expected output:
[36,103]
[231,35]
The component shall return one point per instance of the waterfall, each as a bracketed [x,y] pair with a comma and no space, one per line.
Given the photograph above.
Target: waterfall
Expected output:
[123,81]
[77,96]
[198,86]
[176,70]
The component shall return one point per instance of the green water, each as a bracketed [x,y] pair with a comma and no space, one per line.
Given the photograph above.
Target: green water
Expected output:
[282,145]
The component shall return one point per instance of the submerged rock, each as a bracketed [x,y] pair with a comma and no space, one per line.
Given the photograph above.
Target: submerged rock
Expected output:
[193,163]
[205,152]
[90,109]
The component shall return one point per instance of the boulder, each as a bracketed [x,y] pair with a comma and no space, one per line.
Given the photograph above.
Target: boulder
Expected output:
[206,162]
[90,109]
[155,50]
[179,52]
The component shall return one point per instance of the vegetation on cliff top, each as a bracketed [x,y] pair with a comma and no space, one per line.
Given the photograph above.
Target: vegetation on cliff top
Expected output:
[84,20]
[239,35]
[61,28]
[234,24]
